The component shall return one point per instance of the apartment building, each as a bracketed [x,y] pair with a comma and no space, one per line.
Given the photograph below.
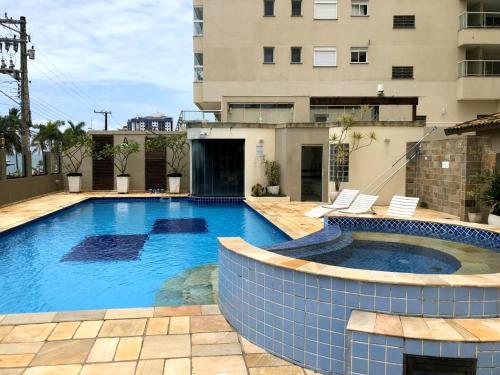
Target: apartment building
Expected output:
[156,122]
[282,61]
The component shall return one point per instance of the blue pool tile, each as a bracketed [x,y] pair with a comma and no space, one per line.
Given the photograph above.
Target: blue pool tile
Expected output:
[446,309]
[393,369]
[338,366]
[184,225]
[449,349]
[461,309]
[431,308]
[394,355]
[338,297]
[367,302]
[324,363]
[359,350]
[491,294]
[490,308]
[476,294]
[414,307]
[376,367]
[325,295]
[431,348]
[414,347]
[462,294]
[413,292]
[398,291]
[378,340]
[377,353]
[107,248]
[382,304]
[352,287]
[485,359]
[338,285]
[359,337]
[360,366]
[430,293]
[476,309]
[339,339]
[368,289]
[383,290]
[398,306]
[446,294]
[338,353]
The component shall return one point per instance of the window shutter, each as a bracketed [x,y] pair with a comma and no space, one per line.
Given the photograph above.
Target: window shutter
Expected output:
[325,9]
[325,57]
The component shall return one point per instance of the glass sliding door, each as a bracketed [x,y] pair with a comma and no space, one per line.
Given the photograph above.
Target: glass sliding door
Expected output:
[312,173]
[218,167]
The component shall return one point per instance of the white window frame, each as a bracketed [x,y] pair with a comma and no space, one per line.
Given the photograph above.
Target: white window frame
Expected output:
[323,2]
[358,4]
[359,49]
[199,70]
[324,49]
[197,21]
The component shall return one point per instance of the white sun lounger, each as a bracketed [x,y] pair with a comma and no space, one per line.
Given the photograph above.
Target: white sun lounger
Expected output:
[344,200]
[402,206]
[362,205]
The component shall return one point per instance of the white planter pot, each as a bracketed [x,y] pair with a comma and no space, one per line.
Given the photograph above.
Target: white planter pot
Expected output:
[494,220]
[74,184]
[475,217]
[122,184]
[273,190]
[174,184]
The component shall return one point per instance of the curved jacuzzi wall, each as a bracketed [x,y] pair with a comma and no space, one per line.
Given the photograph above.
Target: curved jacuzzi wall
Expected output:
[299,310]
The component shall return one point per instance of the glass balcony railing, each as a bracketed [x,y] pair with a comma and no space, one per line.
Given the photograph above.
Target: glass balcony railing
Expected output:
[479,68]
[480,20]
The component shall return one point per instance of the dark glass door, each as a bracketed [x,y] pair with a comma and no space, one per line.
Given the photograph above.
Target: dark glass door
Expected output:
[218,167]
[312,173]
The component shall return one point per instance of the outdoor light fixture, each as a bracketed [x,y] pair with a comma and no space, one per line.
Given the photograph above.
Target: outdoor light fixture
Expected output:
[3,65]
[31,53]
[11,64]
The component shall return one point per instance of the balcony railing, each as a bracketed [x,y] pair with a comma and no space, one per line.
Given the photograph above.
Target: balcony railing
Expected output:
[479,68]
[479,20]
[211,116]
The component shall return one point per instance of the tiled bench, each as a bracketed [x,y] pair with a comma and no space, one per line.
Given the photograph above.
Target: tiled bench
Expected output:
[378,342]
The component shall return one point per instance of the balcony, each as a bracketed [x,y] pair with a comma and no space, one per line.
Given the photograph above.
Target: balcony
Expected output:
[478,80]
[479,28]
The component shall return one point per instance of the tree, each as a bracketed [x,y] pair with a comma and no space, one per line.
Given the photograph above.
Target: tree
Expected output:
[10,131]
[343,150]
[75,149]
[49,136]
[120,154]
[179,148]
[76,129]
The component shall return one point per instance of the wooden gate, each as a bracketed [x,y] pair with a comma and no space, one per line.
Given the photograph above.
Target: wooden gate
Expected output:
[102,170]
[156,169]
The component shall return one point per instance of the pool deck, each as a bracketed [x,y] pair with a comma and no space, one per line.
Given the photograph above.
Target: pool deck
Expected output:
[187,340]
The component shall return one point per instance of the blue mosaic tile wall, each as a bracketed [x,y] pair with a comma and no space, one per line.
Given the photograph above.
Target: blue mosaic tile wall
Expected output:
[378,355]
[303,317]
[478,237]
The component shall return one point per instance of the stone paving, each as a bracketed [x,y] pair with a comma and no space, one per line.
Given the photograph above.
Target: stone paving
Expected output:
[181,340]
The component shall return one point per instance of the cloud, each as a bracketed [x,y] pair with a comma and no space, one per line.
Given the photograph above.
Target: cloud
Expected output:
[107,47]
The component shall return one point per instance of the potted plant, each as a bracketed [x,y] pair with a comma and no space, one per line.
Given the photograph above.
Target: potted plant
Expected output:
[75,149]
[177,148]
[273,174]
[258,190]
[120,154]
[491,196]
[342,149]
[474,213]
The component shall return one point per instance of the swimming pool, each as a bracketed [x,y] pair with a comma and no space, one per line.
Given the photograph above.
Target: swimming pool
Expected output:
[112,253]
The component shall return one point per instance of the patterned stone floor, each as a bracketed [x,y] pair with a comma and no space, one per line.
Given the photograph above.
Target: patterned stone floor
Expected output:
[186,340]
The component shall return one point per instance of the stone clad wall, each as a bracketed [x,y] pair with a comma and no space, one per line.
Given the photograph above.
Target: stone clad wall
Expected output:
[445,189]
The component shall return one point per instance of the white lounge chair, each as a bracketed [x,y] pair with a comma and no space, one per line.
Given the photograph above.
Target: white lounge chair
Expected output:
[344,200]
[361,205]
[402,206]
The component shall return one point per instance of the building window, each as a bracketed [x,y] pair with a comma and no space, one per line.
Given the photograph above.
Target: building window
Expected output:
[339,164]
[198,21]
[359,55]
[402,72]
[325,56]
[268,8]
[296,55]
[325,9]
[268,55]
[296,8]
[320,117]
[359,8]
[404,22]
[198,67]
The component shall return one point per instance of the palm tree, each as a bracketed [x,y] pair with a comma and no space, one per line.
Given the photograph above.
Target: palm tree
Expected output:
[75,130]
[10,130]
[49,136]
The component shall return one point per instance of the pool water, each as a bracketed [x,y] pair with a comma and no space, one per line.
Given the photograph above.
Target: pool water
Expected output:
[390,257]
[117,253]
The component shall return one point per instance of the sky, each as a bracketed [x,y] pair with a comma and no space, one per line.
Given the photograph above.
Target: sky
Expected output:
[132,57]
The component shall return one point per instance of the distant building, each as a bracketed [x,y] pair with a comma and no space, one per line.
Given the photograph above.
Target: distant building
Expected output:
[156,122]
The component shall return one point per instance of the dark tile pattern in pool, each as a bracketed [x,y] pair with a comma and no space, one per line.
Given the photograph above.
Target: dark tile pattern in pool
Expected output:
[303,317]
[107,248]
[478,237]
[184,225]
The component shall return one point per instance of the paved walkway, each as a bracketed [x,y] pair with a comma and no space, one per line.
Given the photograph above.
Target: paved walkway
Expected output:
[186,340]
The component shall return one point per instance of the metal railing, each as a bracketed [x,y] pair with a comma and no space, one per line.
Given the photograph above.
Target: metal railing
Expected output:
[203,116]
[479,68]
[479,19]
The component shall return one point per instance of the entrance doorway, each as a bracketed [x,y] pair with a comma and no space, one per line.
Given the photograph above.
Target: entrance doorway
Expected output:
[312,173]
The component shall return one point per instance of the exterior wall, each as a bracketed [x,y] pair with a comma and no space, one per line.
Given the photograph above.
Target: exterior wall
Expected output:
[136,163]
[445,189]
[254,165]
[367,165]
[17,189]
[235,33]
[289,142]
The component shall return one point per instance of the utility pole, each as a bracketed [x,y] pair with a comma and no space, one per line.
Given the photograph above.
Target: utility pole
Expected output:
[21,75]
[105,113]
